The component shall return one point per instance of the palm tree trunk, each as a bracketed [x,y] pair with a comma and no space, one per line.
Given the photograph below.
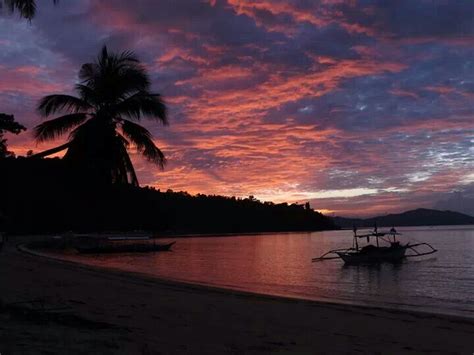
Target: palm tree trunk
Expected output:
[50,151]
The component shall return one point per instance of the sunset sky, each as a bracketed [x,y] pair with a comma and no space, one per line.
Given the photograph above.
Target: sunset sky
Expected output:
[361,107]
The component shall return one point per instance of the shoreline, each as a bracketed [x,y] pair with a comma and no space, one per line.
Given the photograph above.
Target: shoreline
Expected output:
[195,285]
[184,235]
[123,313]
[234,234]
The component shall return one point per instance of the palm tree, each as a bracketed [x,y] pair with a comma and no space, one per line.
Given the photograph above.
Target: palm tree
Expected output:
[113,94]
[26,8]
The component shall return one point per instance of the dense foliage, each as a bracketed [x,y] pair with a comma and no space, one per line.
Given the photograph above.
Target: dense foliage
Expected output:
[8,125]
[47,195]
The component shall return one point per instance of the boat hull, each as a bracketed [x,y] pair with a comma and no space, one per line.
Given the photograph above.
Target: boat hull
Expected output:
[376,255]
[123,248]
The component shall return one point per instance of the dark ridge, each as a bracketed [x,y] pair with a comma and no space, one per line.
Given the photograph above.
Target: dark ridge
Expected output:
[417,217]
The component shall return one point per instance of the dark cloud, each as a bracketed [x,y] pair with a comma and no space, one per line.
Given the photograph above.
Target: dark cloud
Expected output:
[409,19]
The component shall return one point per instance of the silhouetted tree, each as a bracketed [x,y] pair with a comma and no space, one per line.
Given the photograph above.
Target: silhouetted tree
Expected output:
[114,91]
[26,8]
[8,124]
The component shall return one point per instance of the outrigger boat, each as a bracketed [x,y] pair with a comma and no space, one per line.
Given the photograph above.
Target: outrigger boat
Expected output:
[394,251]
[106,245]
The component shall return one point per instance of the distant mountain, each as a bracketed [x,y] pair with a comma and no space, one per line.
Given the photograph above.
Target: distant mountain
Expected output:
[418,217]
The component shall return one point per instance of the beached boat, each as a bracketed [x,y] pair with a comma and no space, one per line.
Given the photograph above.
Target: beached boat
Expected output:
[105,245]
[392,252]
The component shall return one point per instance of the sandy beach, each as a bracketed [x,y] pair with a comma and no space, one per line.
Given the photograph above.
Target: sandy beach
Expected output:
[51,307]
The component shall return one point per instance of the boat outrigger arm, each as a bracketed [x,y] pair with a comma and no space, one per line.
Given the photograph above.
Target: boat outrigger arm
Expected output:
[371,253]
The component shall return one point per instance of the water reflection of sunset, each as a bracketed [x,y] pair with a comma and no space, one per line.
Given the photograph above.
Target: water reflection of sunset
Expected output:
[280,264]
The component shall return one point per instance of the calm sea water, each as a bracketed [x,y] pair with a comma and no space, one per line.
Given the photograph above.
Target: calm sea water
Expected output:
[280,264]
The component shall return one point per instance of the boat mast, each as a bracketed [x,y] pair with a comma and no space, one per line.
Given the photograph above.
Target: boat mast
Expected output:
[354,228]
[376,234]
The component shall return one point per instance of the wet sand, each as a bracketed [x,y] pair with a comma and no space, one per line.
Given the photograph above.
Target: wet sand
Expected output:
[52,307]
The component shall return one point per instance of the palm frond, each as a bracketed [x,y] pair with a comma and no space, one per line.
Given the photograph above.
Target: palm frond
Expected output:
[54,128]
[142,139]
[88,71]
[121,84]
[154,154]
[115,76]
[128,56]
[54,103]
[107,59]
[134,78]
[143,104]
[26,8]
[88,94]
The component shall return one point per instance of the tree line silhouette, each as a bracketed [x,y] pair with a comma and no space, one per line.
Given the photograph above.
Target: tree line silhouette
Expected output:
[51,195]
